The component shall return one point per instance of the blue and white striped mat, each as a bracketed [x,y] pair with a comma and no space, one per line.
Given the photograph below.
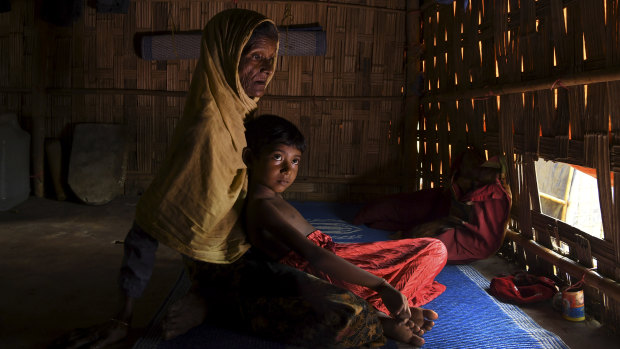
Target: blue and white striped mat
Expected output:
[469,318]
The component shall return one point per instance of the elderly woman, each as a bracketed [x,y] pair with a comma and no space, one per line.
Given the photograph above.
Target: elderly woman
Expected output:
[194,203]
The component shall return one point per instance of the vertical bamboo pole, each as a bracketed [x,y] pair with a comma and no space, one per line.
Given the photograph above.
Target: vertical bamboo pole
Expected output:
[569,181]
[39,100]
[412,99]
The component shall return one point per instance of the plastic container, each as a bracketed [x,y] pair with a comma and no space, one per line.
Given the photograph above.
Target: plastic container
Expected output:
[14,163]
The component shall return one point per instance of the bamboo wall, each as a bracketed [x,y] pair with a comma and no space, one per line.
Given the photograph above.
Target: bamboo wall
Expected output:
[531,79]
[348,103]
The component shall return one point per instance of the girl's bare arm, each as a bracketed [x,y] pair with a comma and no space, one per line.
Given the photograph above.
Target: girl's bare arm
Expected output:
[284,222]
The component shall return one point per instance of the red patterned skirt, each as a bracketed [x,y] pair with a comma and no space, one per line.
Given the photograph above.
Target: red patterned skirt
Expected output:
[410,265]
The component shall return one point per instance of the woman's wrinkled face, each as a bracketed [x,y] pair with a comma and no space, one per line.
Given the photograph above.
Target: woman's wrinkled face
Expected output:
[256,65]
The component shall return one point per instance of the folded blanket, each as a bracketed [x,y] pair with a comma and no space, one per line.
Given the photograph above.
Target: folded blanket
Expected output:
[309,41]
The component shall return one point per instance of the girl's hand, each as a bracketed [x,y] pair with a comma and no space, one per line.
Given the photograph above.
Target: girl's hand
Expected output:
[395,301]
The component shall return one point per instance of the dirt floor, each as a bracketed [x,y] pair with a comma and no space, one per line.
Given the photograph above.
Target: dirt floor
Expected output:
[60,261]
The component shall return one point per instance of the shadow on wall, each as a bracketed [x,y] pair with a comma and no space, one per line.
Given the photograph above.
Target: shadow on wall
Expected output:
[376,182]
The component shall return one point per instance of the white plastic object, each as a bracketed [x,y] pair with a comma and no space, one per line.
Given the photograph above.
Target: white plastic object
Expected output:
[14,162]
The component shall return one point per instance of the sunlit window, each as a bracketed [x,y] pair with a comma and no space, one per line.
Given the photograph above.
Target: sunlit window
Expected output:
[570,193]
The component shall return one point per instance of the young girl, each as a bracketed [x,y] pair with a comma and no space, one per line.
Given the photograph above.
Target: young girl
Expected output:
[394,276]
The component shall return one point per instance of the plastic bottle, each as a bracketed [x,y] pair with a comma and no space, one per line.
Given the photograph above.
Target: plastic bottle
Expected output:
[14,162]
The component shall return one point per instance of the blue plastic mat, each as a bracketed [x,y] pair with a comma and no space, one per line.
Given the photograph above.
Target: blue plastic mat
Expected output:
[468,316]
[334,219]
[471,318]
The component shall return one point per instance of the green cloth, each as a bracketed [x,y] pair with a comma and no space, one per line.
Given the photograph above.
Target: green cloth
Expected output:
[194,203]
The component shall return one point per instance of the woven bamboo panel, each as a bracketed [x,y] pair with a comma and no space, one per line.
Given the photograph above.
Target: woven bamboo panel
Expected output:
[349,103]
[528,80]
[354,134]
[16,45]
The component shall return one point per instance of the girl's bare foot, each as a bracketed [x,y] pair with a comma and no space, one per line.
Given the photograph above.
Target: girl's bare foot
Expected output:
[185,314]
[410,332]
[402,333]
[423,319]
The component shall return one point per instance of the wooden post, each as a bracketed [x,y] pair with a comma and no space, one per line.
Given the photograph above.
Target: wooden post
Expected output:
[53,150]
[39,102]
[412,99]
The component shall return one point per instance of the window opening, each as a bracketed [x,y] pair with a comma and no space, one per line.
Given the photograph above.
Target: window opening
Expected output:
[570,194]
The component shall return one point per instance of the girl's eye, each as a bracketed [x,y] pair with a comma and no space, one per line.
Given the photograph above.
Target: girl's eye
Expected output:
[277,157]
[295,161]
[256,56]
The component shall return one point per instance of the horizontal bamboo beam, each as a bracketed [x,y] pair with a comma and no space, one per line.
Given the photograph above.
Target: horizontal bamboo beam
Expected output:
[334,98]
[115,91]
[357,180]
[361,180]
[608,286]
[603,250]
[303,2]
[552,198]
[574,79]
[15,90]
[163,93]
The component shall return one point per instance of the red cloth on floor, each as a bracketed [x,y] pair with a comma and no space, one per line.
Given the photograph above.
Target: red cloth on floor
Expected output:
[410,265]
[483,233]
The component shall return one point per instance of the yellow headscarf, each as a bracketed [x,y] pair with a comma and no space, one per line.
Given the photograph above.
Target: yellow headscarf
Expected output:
[194,203]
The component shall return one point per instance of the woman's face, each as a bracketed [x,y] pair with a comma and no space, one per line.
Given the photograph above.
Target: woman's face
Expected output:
[256,66]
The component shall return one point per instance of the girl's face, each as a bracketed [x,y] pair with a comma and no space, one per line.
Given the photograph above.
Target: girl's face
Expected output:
[256,66]
[276,167]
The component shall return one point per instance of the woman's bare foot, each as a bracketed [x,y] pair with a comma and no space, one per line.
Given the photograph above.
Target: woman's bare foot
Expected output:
[185,314]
